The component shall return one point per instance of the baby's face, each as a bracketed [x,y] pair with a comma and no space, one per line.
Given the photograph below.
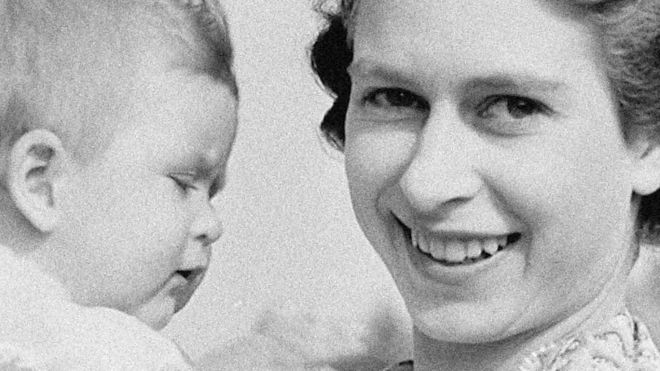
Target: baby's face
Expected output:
[138,221]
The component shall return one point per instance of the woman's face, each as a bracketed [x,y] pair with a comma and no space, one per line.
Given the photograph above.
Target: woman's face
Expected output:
[486,163]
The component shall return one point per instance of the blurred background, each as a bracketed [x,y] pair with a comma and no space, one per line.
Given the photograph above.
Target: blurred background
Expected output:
[292,263]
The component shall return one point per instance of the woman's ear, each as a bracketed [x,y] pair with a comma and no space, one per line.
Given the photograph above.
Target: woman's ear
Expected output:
[646,172]
[35,164]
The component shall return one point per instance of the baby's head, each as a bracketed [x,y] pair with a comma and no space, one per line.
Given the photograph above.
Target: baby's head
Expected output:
[116,122]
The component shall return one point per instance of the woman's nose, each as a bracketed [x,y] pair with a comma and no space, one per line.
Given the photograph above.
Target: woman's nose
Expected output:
[207,227]
[441,174]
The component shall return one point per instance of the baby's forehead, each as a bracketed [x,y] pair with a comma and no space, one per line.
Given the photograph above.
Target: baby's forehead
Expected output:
[159,100]
[195,33]
[145,44]
[181,105]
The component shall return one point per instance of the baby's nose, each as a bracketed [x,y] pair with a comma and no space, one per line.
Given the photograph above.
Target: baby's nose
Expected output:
[207,228]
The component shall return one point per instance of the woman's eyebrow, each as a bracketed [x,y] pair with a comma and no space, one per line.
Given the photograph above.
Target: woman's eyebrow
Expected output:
[522,81]
[378,69]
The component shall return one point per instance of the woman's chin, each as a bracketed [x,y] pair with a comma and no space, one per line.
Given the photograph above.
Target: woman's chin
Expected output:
[461,328]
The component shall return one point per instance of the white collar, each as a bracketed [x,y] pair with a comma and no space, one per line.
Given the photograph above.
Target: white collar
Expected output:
[26,277]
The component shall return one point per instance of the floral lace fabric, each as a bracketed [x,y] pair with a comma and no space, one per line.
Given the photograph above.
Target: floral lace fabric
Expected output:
[623,345]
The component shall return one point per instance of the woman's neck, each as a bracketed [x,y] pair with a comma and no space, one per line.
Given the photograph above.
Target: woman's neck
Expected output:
[431,354]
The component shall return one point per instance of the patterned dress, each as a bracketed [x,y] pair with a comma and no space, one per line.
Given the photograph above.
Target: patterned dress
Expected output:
[623,345]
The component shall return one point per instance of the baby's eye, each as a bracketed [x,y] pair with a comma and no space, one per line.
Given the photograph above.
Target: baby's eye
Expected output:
[510,112]
[185,182]
[214,188]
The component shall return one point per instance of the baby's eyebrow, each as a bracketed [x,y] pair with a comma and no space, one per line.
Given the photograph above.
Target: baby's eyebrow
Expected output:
[207,163]
[211,166]
[203,166]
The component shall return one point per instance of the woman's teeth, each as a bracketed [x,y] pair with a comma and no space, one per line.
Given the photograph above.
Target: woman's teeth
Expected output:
[455,251]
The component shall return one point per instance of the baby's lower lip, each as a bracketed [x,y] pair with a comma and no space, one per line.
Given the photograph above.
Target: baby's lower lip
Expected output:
[189,276]
[183,286]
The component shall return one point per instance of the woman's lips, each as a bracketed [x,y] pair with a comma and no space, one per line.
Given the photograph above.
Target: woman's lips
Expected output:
[450,248]
[461,250]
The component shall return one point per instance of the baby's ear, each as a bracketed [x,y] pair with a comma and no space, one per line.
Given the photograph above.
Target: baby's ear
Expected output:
[35,163]
[646,172]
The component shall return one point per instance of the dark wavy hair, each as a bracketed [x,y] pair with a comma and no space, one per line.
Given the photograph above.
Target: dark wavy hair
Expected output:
[629,31]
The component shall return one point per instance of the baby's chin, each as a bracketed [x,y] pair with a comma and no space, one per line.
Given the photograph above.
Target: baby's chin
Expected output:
[156,313]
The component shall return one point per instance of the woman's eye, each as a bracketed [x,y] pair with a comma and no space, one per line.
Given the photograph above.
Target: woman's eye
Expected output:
[393,97]
[510,114]
[392,105]
[511,107]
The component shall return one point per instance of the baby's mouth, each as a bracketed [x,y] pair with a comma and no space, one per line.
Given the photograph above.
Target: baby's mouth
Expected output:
[190,275]
[186,273]
[459,250]
[184,291]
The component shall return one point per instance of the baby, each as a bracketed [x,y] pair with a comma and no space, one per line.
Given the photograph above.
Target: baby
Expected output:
[116,121]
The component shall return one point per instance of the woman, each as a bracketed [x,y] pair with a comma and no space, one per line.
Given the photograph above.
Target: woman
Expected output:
[502,157]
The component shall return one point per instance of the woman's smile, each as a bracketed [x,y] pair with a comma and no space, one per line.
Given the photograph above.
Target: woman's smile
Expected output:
[460,248]
[456,256]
